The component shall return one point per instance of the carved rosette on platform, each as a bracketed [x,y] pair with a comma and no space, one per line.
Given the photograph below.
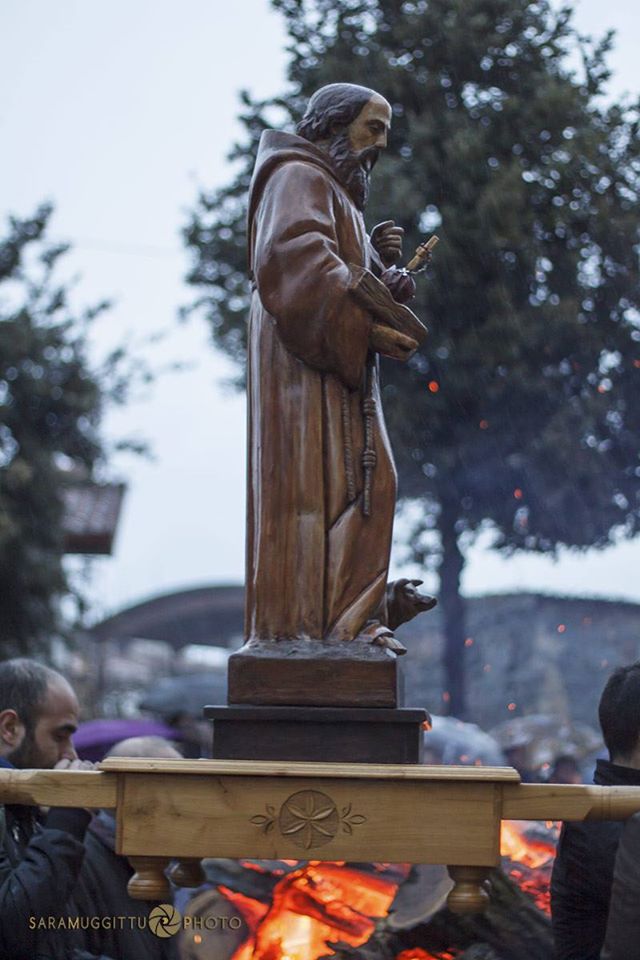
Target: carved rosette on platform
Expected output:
[309,818]
[318,677]
[184,810]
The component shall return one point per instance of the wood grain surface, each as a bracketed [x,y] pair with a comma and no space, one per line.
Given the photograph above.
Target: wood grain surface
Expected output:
[58,788]
[272,768]
[419,821]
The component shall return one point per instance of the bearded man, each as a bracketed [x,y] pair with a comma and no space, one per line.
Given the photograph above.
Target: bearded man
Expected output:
[40,858]
[321,478]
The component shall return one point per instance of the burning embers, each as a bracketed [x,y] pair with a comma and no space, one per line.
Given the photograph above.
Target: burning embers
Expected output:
[528,849]
[417,953]
[315,904]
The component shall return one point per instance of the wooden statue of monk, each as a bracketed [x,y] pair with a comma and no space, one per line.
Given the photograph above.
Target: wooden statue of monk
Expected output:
[321,478]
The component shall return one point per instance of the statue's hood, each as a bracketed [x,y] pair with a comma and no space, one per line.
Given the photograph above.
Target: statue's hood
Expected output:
[275,148]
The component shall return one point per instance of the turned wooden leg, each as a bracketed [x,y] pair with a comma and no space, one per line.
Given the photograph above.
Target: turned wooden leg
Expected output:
[469,894]
[149,882]
[187,873]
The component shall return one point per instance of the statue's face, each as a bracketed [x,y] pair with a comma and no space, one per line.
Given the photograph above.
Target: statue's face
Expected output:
[371,126]
[355,149]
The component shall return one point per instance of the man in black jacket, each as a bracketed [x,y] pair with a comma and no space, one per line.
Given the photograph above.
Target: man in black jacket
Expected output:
[583,869]
[39,862]
[622,941]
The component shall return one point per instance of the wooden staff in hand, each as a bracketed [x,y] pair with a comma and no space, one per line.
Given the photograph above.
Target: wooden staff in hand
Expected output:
[422,255]
[396,331]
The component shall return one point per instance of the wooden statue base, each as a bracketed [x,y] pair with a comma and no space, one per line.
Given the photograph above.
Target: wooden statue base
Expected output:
[351,735]
[309,673]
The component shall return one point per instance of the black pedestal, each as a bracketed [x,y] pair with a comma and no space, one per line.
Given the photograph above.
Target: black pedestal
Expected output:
[326,734]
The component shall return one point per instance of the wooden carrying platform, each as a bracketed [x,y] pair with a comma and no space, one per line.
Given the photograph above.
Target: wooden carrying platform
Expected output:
[187,810]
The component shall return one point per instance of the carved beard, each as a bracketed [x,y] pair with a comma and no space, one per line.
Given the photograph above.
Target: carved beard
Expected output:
[353,167]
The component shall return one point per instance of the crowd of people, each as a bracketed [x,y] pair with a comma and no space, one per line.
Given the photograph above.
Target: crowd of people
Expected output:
[62,862]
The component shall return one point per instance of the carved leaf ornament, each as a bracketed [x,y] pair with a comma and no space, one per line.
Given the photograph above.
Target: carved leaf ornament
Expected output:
[309,819]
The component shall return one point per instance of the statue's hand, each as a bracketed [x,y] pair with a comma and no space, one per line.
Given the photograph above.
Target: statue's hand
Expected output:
[386,240]
[404,601]
[391,343]
[400,284]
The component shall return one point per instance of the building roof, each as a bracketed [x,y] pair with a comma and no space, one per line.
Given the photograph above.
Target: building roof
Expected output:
[91,513]
[210,615]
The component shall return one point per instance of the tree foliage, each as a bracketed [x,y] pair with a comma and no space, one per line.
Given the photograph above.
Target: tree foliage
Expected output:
[523,408]
[51,405]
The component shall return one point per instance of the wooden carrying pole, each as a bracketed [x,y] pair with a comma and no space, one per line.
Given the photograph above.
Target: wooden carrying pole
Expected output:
[186,810]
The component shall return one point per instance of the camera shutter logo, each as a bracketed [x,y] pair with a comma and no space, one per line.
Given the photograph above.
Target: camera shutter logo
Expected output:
[165,920]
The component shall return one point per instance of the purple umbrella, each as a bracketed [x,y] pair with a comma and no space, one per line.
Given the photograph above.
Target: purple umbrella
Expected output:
[94,738]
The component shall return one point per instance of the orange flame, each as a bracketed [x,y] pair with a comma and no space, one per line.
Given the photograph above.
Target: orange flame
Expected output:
[515,845]
[312,906]
[531,859]
[325,902]
[417,953]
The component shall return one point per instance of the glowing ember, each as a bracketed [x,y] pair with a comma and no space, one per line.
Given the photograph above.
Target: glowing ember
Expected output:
[252,911]
[527,853]
[317,904]
[417,953]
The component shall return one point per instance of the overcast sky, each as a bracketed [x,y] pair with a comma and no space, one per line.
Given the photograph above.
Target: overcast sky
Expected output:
[118,110]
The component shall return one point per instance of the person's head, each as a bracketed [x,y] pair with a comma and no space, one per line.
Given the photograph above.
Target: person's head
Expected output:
[38,715]
[351,124]
[517,755]
[565,769]
[619,714]
[155,747]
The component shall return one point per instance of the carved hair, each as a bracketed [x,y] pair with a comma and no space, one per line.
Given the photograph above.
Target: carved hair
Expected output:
[336,105]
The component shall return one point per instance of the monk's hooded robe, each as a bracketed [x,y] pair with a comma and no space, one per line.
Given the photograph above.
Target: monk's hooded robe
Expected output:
[316,565]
